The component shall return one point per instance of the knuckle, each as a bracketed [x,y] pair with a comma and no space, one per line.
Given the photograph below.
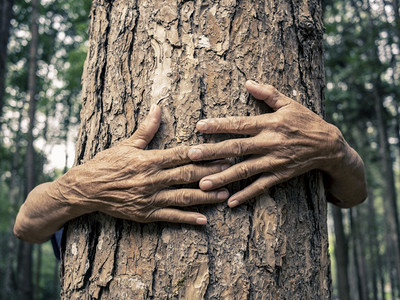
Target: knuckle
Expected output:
[243,171]
[152,216]
[275,93]
[277,177]
[239,124]
[261,187]
[187,174]
[181,152]
[185,198]
[237,148]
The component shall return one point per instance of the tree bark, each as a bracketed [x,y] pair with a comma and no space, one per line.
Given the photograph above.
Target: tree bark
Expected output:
[192,58]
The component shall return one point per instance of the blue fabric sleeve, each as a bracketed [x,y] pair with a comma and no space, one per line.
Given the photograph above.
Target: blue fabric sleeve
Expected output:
[56,243]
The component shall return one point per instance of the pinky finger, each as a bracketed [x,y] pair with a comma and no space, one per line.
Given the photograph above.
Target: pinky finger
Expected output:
[173,215]
[258,187]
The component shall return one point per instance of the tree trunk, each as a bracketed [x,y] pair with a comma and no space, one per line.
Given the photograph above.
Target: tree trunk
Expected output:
[373,245]
[25,283]
[341,255]
[14,196]
[193,57]
[38,271]
[5,18]
[390,201]
[359,255]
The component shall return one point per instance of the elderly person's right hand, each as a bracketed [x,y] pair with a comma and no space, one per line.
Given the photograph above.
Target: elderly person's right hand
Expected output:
[126,182]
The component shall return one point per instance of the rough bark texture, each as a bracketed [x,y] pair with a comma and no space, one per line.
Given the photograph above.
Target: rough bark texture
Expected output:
[193,57]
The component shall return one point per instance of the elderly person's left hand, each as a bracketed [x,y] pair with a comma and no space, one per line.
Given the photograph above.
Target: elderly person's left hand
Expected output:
[284,144]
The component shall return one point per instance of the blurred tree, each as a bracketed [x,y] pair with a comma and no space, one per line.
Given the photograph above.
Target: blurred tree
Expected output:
[341,254]
[5,18]
[362,67]
[61,53]
[25,281]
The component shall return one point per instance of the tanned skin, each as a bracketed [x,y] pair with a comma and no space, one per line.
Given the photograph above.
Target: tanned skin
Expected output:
[287,143]
[132,183]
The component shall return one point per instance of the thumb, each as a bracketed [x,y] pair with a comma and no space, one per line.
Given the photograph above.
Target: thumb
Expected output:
[270,95]
[146,131]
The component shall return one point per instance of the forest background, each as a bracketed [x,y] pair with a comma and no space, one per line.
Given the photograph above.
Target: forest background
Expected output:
[39,117]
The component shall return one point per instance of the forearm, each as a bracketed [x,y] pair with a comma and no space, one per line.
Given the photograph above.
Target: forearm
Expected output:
[345,180]
[44,212]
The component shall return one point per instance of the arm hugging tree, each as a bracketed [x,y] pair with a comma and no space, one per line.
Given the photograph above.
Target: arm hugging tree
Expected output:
[192,58]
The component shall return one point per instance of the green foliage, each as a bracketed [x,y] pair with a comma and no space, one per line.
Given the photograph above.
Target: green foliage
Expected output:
[63,27]
[362,65]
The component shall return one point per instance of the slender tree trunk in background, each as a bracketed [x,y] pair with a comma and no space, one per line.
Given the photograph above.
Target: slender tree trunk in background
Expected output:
[56,281]
[390,203]
[341,255]
[25,284]
[38,270]
[5,18]
[193,57]
[373,244]
[389,265]
[395,4]
[9,284]
[394,61]
[66,130]
[356,261]
[359,253]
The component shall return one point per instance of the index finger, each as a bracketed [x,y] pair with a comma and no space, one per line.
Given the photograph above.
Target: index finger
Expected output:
[269,94]
[226,149]
[237,125]
[172,157]
[146,131]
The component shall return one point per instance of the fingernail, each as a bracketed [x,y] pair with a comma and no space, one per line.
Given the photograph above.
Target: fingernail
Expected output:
[233,203]
[254,83]
[222,195]
[201,221]
[153,107]
[194,153]
[202,125]
[206,184]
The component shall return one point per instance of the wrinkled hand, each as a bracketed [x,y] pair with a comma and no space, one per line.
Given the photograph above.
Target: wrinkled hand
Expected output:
[129,182]
[286,143]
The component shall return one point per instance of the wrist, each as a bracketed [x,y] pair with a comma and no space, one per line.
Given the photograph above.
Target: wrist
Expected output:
[70,190]
[337,152]
[344,173]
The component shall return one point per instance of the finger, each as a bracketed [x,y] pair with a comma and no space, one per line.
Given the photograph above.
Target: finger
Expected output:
[190,173]
[189,197]
[270,95]
[250,167]
[237,125]
[178,216]
[230,148]
[172,157]
[146,131]
[258,187]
